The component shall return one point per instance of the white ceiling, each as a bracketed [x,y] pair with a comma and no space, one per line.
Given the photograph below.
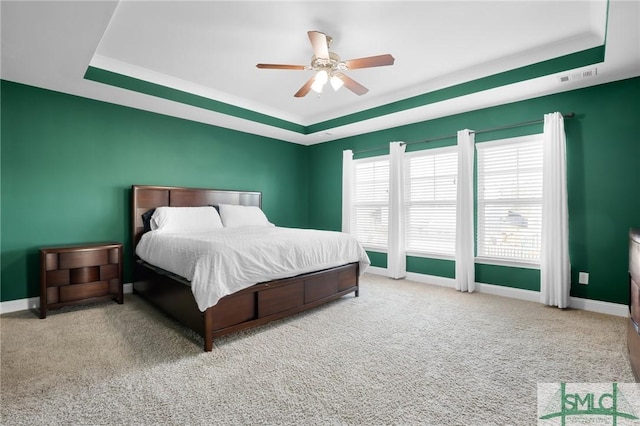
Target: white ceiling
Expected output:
[210,48]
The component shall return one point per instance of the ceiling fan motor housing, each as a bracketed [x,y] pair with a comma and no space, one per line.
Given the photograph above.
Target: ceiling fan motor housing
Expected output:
[333,62]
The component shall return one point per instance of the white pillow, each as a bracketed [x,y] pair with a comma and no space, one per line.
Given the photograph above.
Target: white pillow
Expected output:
[186,219]
[234,216]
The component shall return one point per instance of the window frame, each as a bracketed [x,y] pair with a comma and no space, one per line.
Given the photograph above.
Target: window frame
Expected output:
[496,260]
[452,149]
[354,204]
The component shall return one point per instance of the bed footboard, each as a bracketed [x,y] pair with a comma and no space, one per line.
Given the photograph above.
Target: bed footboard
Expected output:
[250,307]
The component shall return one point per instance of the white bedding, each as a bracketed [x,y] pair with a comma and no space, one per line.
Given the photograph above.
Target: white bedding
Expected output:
[227,260]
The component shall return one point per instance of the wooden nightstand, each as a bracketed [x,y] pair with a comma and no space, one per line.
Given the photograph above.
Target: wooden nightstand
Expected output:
[76,274]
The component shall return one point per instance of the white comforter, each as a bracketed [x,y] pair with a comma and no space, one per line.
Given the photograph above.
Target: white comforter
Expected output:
[229,259]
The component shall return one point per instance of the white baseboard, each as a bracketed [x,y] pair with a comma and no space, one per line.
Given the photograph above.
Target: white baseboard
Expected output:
[19,305]
[34,302]
[431,279]
[609,308]
[376,270]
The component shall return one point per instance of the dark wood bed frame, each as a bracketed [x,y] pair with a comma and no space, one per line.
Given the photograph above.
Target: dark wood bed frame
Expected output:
[247,308]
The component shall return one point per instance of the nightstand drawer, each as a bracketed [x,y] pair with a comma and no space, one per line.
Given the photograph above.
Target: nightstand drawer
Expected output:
[84,291]
[79,259]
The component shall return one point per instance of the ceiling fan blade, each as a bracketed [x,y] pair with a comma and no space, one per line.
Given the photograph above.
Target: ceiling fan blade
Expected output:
[319,43]
[352,85]
[280,67]
[371,61]
[305,88]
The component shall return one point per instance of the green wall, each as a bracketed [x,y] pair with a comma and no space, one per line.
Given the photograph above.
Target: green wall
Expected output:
[603,150]
[68,164]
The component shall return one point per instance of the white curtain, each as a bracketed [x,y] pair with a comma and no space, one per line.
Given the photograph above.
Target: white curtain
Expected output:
[347,189]
[465,235]
[396,253]
[555,267]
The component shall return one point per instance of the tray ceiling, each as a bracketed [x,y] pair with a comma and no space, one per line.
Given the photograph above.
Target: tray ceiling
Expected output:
[196,60]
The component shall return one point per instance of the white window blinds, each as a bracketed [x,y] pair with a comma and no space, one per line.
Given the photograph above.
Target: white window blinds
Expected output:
[510,198]
[430,195]
[370,210]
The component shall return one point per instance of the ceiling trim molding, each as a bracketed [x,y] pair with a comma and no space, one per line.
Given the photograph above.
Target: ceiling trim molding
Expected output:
[141,86]
[548,67]
[540,69]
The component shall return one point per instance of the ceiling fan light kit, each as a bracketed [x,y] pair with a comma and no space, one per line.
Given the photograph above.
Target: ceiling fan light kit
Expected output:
[329,67]
[319,80]
[336,82]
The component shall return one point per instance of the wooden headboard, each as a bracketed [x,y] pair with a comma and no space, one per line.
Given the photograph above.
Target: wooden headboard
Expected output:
[144,198]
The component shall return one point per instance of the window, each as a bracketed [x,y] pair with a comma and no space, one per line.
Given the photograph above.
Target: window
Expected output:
[370,210]
[430,196]
[510,199]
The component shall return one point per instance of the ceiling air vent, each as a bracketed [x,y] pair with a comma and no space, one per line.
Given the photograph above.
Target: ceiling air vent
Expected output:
[591,72]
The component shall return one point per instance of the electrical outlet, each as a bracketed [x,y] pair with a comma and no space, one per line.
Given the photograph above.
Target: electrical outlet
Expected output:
[583,278]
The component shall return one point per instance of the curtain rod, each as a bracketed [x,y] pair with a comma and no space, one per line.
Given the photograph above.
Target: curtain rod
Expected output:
[493,129]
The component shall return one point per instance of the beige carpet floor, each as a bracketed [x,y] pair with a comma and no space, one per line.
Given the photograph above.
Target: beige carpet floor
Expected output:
[402,353]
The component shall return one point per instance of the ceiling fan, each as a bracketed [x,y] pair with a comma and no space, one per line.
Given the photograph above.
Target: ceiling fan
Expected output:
[329,67]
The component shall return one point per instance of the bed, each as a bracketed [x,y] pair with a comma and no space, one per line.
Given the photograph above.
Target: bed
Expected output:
[264,301]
